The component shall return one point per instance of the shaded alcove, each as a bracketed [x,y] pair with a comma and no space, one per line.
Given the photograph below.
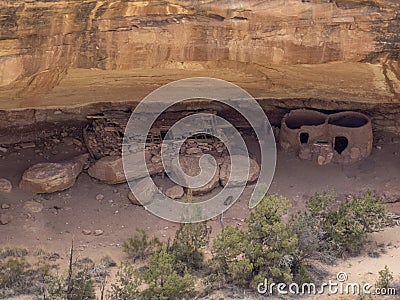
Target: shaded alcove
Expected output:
[304,118]
[348,119]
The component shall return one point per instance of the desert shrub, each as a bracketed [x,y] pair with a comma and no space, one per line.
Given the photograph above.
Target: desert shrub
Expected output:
[310,227]
[139,246]
[324,230]
[77,287]
[273,246]
[126,285]
[267,250]
[186,247]
[18,277]
[82,285]
[163,281]
[107,261]
[55,288]
[13,252]
[75,284]
[385,278]
[350,224]
[228,254]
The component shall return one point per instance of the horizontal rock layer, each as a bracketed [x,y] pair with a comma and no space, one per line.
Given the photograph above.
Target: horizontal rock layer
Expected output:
[41,40]
[58,57]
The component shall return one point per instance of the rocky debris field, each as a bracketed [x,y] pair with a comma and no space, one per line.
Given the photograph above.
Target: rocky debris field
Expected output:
[99,217]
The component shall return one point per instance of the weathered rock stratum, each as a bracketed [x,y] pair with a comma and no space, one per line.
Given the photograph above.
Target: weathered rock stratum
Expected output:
[67,54]
[41,40]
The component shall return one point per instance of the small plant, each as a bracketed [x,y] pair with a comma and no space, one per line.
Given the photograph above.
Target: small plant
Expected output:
[107,261]
[139,246]
[385,278]
[77,284]
[127,284]
[324,230]
[267,250]
[186,248]
[163,281]
[18,277]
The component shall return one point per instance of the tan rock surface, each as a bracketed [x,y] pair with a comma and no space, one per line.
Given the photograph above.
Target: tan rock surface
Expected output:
[175,192]
[52,177]
[190,166]
[61,53]
[108,169]
[5,185]
[225,168]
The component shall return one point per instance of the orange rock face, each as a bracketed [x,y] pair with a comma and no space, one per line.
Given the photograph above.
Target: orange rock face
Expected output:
[42,39]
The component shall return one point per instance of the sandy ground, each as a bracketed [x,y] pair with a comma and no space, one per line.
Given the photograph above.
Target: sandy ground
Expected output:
[67,213]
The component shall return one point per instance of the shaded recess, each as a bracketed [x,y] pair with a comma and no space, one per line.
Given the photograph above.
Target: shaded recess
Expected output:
[351,120]
[304,118]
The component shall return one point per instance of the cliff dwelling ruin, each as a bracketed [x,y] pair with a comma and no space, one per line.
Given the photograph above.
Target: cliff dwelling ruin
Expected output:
[326,73]
[342,137]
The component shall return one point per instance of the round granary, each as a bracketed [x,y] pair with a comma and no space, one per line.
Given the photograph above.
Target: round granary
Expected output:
[340,137]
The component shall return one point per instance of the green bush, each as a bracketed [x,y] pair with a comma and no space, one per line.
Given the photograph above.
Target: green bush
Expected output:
[228,253]
[18,277]
[127,283]
[139,246]
[163,281]
[273,247]
[82,285]
[79,287]
[186,247]
[385,278]
[324,229]
[267,250]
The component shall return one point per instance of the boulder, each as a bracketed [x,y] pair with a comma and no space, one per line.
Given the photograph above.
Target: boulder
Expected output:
[5,219]
[110,169]
[225,172]
[175,192]
[190,166]
[33,206]
[391,192]
[133,199]
[52,177]
[5,185]
[144,190]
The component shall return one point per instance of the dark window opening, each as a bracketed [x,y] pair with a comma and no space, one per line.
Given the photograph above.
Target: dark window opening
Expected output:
[341,144]
[163,134]
[304,137]
[321,143]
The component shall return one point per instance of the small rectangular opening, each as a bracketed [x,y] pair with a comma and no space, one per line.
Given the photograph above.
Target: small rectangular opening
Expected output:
[321,143]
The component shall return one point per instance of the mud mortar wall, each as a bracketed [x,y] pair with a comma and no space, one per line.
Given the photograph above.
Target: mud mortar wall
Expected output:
[340,137]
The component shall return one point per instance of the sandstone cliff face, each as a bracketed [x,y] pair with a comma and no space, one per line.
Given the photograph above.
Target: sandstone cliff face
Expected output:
[58,57]
[40,40]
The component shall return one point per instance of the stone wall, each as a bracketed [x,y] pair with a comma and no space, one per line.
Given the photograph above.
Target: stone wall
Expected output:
[27,125]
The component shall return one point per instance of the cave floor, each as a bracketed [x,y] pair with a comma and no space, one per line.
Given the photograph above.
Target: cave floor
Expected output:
[358,82]
[66,214]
